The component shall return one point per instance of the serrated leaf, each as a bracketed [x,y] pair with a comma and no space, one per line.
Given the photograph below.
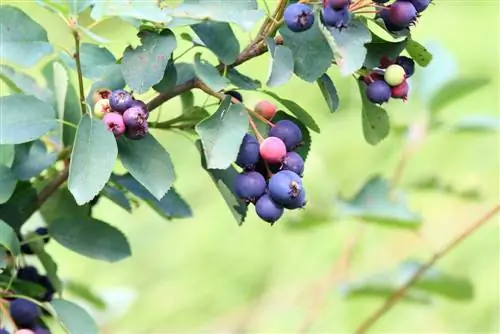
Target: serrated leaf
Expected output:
[24,118]
[281,64]
[24,83]
[92,160]
[297,110]
[8,183]
[222,133]
[209,74]
[117,196]
[21,205]
[374,204]
[304,148]
[242,81]
[7,153]
[8,239]
[62,204]
[379,48]
[91,238]
[375,119]
[169,79]
[31,159]
[95,60]
[84,292]
[73,318]
[418,52]
[329,92]
[142,10]
[144,66]
[149,163]
[26,46]
[220,39]
[474,123]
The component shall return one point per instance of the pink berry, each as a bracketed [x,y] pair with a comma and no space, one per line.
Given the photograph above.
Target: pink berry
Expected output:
[25,331]
[266,109]
[400,91]
[273,150]
[114,122]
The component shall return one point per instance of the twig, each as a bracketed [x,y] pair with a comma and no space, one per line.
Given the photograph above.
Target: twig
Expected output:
[397,295]
[76,36]
[52,187]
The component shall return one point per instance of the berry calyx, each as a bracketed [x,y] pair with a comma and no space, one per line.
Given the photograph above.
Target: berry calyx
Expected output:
[248,154]
[272,150]
[114,122]
[298,202]
[120,100]
[394,75]
[378,92]
[294,162]
[407,64]
[285,187]
[402,13]
[400,91]
[24,312]
[266,109]
[288,132]
[250,186]
[337,18]
[268,210]
[101,108]
[298,17]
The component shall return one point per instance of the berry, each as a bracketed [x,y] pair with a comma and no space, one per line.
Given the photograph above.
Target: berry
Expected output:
[237,95]
[400,91]
[337,18]
[294,162]
[402,13]
[25,331]
[394,75]
[101,108]
[43,232]
[120,100]
[28,273]
[339,4]
[266,109]
[298,202]
[392,27]
[135,117]
[138,132]
[268,210]
[142,105]
[407,64]
[49,289]
[3,331]
[40,330]
[24,312]
[378,92]
[114,122]
[287,131]
[248,155]
[250,186]
[100,94]
[381,1]
[420,5]
[298,17]
[285,187]
[273,150]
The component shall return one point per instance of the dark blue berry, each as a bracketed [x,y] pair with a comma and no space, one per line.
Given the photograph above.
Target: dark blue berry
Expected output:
[3,331]
[338,4]
[44,281]
[298,202]
[237,95]
[337,18]
[120,100]
[41,330]
[137,132]
[142,105]
[392,27]
[43,232]
[294,162]
[420,5]
[378,92]
[135,116]
[28,273]
[268,210]
[402,13]
[285,187]
[407,64]
[248,155]
[250,186]
[24,312]
[288,132]
[298,17]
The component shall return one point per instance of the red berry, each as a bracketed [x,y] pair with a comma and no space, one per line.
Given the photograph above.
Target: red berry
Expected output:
[266,109]
[273,150]
[400,91]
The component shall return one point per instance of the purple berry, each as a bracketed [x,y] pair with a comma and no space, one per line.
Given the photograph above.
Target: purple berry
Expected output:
[24,312]
[392,27]
[285,187]
[134,117]
[248,155]
[338,4]
[43,232]
[402,13]
[288,132]
[250,186]
[298,202]
[407,64]
[120,100]
[337,18]
[420,5]
[3,331]
[378,92]
[268,210]
[49,289]
[40,330]
[294,162]
[298,17]
[114,122]
[137,132]
[28,273]
[142,105]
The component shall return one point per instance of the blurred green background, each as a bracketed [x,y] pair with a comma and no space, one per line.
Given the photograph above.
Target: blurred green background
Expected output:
[207,274]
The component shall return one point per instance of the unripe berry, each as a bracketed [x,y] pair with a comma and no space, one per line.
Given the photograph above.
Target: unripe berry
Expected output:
[248,154]
[401,91]
[394,75]
[285,187]
[378,92]
[298,17]
[250,186]
[24,312]
[266,109]
[268,210]
[339,18]
[114,122]
[120,100]
[288,132]
[100,94]
[294,162]
[273,150]
[101,108]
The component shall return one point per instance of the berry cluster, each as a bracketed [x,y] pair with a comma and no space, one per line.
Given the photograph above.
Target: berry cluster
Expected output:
[389,80]
[401,14]
[271,193]
[122,113]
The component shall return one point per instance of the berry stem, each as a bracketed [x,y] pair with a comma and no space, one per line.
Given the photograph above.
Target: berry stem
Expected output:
[76,56]
[259,117]
[255,130]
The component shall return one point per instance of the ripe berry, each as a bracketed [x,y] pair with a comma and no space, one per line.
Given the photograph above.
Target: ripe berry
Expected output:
[248,155]
[114,122]
[142,105]
[402,13]
[337,18]
[391,26]
[401,91]
[266,109]
[101,108]
[287,131]
[43,232]
[407,63]
[394,75]
[268,210]
[273,150]
[378,92]
[120,100]
[285,187]
[28,273]
[294,162]
[339,4]
[49,289]
[250,186]
[40,330]
[237,95]
[24,312]
[298,202]
[298,17]
[420,5]
[134,117]
[100,94]
[137,132]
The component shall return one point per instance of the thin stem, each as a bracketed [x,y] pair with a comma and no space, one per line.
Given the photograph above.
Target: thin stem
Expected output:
[398,294]
[260,117]
[255,130]
[76,36]
[184,52]
[67,123]
[6,314]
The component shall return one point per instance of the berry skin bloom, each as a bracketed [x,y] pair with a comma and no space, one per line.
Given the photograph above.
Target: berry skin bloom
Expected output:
[268,210]
[120,100]
[137,132]
[294,162]
[298,17]
[24,312]
[288,132]
[135,116]
[285,187]
[28,273]
[338,4]
[378,92]
[337,18]
[402,13]
[250,186]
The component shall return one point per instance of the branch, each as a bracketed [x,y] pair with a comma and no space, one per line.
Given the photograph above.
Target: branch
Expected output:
[52,187]
[397,295]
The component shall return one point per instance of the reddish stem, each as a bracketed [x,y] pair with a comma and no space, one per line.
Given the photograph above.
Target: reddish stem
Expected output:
[255,130]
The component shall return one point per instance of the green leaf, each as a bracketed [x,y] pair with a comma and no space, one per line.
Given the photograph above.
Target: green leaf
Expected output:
[24,83]
[20,286]
[84,292]
[112,79]
[281,64]
[91,238]
[8,239]
[311,51]
[8,183]
[22,204]
[297,110]
[473,123]
[242,81]
[50,266]
[169,79]
[60,88]
[62,205]
[187,101]
[222,133]
[418,52]
[142,10]
[220,39]
[78,6]
[72,114]
[170,206]
[454,90]
[185,72]
[378,28]
[31,159]
[7,155]
[374,204]
[209,74]
[26,46]
[24,118]
[329,92]
[379,48]
[350,45]
[117,196]
[90,34]
[304,148]
[92,160]
[145,65]
[95,60]
[375,118]
[73,318]
[149,163]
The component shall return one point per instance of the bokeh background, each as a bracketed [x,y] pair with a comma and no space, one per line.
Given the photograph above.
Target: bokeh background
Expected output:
[207,274]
